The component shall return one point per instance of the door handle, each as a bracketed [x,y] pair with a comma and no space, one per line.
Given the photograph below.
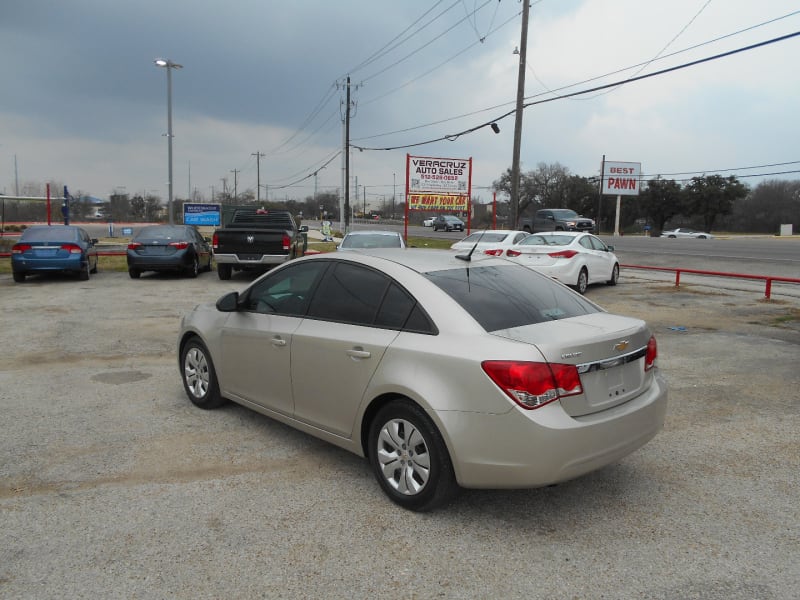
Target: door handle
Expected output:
[278,342]
[357,353]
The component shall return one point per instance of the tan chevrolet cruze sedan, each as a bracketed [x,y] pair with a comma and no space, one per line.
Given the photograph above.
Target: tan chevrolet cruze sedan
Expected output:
[445,370]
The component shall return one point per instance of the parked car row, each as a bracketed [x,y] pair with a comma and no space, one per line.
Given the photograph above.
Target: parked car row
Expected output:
[69,249]
[574,258]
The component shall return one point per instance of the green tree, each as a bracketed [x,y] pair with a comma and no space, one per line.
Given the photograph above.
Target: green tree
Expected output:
[661,200]
[710,196]
[545,187]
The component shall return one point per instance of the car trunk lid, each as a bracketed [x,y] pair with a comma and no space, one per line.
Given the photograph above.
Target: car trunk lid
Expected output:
[608,350]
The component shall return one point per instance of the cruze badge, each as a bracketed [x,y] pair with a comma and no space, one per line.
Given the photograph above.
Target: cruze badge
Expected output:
[251,239]
[621,346]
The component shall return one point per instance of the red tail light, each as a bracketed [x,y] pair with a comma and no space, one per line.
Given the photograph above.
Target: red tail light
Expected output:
[563,254]
[179,245]
[134,246]
[494,252]
[287,242]
[20,248]
[531,384]
[651,354]
[72,248]
[511,252]
[214,241]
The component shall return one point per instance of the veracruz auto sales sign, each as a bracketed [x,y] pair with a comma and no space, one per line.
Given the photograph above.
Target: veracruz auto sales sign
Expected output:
[439,175]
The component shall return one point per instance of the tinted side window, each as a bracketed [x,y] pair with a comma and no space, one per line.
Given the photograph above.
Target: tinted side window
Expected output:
[287,291]
[350,294]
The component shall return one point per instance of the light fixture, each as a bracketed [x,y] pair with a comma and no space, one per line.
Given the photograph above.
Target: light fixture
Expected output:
[495,127]
[516,50]
[169,65]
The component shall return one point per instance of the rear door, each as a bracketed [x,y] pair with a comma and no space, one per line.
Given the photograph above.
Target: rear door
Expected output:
[337,348]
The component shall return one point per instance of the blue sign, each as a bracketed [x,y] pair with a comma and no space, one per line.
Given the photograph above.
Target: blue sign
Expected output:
[202,214]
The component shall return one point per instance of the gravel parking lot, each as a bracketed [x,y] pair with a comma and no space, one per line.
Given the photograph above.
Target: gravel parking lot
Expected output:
[112,485]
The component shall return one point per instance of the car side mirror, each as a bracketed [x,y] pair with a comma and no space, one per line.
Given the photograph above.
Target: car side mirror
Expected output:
[94,241]
[610,248]
[304,228]
[229,302]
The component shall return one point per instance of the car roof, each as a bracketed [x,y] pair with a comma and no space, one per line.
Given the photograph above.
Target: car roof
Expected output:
[373,232]
[420,260]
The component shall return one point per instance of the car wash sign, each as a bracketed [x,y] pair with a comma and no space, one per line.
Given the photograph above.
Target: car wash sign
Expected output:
[621,178]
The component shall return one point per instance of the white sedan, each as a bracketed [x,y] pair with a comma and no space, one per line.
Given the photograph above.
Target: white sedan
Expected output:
[428,222]
[685,232]
[574,258]
[493,241]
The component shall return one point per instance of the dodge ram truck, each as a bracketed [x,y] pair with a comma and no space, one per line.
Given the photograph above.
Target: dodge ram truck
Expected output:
[257,240]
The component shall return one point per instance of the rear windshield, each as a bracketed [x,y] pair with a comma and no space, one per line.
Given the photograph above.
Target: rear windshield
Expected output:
[162,232]
[489,238]
[505,296]
[366,240]
[49,234]
[547,240]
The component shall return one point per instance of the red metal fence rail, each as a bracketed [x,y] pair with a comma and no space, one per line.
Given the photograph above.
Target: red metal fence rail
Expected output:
[767,279]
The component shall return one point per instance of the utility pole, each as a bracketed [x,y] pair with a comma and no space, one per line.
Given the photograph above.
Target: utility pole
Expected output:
[224,181]
[347,160]
[235,184]
[523,49]
[258,156]
[394,191]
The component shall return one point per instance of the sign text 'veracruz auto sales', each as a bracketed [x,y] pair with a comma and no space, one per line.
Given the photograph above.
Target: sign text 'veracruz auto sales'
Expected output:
[438,175]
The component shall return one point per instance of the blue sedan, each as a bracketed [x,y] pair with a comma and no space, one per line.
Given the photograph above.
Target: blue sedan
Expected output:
[54,248]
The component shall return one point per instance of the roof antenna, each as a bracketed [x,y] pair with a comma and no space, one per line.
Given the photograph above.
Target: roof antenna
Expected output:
[468,257]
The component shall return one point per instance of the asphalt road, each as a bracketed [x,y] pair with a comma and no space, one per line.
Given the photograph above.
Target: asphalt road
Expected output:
[112,485]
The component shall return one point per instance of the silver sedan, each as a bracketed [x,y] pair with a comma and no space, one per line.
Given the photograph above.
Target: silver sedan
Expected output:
[443,372]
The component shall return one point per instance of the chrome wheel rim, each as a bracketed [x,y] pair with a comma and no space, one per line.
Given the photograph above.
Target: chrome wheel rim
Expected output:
[195,372]
[403,457]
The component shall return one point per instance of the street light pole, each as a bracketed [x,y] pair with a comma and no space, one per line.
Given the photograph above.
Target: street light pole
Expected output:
[169,65]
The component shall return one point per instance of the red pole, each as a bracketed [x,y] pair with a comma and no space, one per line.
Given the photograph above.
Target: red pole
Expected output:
[768,291]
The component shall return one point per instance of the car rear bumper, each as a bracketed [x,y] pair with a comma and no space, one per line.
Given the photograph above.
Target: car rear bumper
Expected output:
[525,449]
[235,259]
[74,263]
[178,261]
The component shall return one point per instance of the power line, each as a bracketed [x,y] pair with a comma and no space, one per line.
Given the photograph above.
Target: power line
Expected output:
[455,136]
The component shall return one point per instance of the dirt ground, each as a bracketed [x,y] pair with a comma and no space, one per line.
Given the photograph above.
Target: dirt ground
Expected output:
[113,485]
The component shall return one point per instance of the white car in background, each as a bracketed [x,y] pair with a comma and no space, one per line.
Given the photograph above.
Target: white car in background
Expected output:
[366,239]
[428,222]
[493,241]
[685,232]
[574,258]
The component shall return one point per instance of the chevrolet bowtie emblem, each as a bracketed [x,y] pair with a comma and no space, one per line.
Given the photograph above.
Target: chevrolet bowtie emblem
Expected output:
[620,346]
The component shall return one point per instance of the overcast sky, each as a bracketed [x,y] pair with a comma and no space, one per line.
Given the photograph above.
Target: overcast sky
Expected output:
[82,103]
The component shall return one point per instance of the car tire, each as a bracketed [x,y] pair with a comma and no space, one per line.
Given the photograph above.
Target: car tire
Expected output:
[409,457]
[83,274]
[224,271]
[134,273]
[583,281]
[614,275]
[94,270]
[198,375]
[19,277]
[194,269]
